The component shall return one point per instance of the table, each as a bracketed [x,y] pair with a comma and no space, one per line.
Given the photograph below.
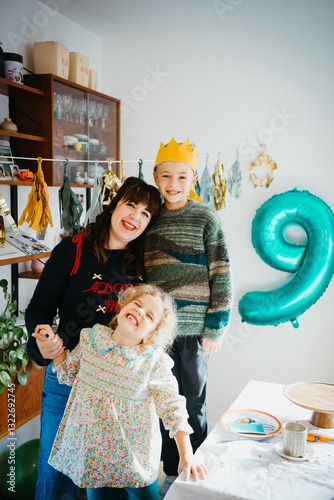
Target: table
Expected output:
[247,469]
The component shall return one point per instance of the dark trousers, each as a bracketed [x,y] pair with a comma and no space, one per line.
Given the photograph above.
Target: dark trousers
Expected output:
[51,484]
[191,371]
[150,492]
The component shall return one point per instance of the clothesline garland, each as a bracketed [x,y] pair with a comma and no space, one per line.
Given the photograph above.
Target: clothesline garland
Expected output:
[60,160]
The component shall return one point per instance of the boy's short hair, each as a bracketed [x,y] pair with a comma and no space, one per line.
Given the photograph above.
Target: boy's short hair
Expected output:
[165,332]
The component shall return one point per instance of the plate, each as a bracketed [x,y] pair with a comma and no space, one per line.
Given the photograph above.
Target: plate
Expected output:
[309,452]
[82,137]
[259,417]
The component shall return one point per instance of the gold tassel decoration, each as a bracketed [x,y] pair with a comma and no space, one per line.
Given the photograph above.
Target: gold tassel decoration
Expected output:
[219,184]
[110,185]
[37,212]
[123,178]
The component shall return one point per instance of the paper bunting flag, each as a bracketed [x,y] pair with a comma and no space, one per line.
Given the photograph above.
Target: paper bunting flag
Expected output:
[140,173]
[219,184]
[234,179]
[123,179]
[206,186]
[195,192]
[96,205]
[70,207]
[37,211]
[110,185]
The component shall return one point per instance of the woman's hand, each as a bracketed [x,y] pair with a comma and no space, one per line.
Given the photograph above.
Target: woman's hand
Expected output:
[50,345]
[189,465]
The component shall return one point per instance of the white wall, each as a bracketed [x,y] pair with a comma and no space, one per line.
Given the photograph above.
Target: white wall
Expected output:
[219,72]
[223,79]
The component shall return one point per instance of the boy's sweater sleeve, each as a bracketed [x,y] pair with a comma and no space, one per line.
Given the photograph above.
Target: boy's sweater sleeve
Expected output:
[218,313]
[170,406]
[47,296]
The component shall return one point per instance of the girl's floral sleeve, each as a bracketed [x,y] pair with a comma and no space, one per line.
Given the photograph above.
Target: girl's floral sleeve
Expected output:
[170,406]
[68,369]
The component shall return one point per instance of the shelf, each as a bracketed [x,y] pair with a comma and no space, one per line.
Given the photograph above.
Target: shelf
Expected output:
[25,258]
[15,183]
[29,275]
[5,134]
[12,89]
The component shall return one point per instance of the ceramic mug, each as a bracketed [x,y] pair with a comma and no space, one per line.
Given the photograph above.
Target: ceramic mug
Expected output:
[294,439]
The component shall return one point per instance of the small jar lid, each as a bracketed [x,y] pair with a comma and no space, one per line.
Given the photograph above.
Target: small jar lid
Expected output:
[11,56]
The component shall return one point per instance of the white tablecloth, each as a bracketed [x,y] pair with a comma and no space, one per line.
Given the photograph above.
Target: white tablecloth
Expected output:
[245,469]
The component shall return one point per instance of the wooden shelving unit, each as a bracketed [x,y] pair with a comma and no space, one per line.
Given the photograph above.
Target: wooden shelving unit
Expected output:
[13,89]
[32,110]
[4,134]
[25,258]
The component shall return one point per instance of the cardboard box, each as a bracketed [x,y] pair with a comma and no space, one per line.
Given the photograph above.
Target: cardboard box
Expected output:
[93,80]
[51,57]
[79,69]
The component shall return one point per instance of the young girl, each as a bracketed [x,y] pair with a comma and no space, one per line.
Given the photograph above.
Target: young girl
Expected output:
[109,439]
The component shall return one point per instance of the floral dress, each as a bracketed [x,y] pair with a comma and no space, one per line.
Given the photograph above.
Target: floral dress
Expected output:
[109,434]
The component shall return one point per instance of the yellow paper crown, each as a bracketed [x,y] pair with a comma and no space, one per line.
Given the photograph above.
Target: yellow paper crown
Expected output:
[176,152]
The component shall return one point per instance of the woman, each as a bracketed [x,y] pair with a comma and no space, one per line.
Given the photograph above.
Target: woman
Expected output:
[82,279]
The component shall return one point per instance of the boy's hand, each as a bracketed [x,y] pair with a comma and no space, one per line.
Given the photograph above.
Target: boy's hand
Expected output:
[210,346]
[50,345]
[190,467]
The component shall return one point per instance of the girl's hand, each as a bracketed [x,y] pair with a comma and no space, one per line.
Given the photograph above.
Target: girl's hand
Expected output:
[210,346]
[189,465]
[49,344]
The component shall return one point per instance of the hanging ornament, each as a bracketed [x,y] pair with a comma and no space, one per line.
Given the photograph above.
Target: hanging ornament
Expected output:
[206,186]
[140,173]
[193,193]
[2,230]
[219,184]
[70,207]
[262,170]
[4,207]
[234,179]
[197,186]
[96,205]
[110,185]
[123,179]
[37,211]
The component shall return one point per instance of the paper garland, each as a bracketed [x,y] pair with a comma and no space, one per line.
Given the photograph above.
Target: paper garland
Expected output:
[219,184]
[37,211]
[110,185]
[70,207]
[262,161]
[234,182]
[96,205]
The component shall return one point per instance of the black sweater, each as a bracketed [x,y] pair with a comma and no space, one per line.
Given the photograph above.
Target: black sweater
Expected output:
[87,297]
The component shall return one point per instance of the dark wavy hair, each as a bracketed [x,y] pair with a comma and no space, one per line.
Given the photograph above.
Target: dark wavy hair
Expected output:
[136,191]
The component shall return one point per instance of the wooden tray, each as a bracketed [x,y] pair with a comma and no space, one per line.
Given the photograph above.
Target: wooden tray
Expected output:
[315,396]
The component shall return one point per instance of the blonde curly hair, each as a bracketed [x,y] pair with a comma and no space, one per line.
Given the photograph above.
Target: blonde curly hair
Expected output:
[165,332]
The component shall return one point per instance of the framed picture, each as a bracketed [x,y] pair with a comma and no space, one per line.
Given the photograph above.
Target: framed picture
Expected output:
[5,155]
[5,172]
[15,172]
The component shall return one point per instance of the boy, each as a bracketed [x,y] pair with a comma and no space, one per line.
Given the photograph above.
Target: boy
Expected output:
[186,255]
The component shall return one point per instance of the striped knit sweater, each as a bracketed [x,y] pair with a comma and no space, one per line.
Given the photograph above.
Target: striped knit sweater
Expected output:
[186,255]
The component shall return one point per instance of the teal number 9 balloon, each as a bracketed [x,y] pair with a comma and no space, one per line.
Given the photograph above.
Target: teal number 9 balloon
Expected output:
[312,263]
